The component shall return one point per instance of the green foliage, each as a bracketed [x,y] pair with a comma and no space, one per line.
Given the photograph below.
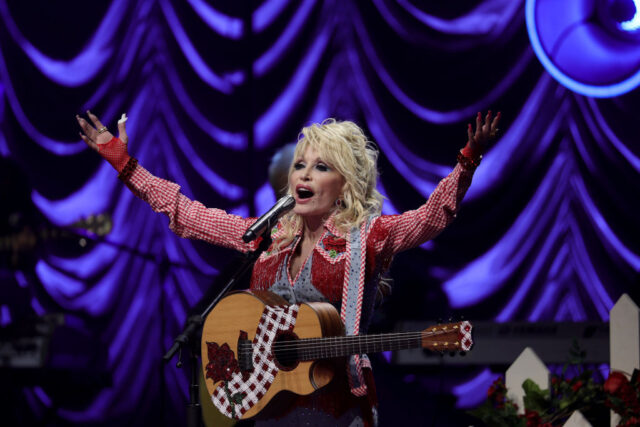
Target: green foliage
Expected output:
[552,406]
[534,398]
[506,416]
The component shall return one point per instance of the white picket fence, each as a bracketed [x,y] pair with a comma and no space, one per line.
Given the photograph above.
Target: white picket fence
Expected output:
[624,348]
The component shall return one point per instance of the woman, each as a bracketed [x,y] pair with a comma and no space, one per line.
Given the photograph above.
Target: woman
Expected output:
[334,246]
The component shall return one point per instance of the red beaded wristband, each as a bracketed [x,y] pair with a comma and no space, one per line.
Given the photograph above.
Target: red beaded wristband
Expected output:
[128,169]
[468,162]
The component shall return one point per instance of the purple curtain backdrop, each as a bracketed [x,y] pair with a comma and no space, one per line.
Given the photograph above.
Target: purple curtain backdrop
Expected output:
[548,231]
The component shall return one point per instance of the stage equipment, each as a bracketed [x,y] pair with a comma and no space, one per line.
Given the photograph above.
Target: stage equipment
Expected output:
[269,219]
[590,46]
[49,349]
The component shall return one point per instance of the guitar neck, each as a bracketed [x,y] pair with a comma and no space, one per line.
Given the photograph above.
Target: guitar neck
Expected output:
[324,348]
[450,337]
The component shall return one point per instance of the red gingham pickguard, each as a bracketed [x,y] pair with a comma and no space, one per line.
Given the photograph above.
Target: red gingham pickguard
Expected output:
[274,320]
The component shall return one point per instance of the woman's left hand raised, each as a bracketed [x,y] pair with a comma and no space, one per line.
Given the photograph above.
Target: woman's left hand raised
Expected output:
[485,133]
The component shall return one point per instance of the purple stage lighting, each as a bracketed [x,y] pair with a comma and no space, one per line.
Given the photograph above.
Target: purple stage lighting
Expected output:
[591,47]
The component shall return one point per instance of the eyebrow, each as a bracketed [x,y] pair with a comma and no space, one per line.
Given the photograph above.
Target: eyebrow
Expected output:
[317,159]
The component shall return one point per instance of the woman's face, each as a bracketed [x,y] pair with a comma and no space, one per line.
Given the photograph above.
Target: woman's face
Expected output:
[315,185]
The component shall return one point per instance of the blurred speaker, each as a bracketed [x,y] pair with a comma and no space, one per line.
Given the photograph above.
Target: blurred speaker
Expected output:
[590,46]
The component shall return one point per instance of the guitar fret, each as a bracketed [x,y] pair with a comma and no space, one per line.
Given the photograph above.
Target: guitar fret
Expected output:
[331,347]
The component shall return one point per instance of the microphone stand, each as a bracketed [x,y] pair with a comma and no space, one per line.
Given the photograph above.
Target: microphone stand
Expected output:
[189,336]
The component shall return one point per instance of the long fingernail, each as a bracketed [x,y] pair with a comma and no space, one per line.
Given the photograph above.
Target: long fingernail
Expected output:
[88,112]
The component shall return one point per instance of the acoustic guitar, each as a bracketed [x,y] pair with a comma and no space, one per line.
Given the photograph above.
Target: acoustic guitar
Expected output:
[255,345]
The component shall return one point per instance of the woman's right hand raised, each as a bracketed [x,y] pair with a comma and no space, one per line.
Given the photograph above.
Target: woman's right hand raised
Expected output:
[98,137]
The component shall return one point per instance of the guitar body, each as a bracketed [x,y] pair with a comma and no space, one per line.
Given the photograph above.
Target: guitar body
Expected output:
[240,312]
[255,345]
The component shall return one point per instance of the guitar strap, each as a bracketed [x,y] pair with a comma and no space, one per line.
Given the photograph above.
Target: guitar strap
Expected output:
[351,307]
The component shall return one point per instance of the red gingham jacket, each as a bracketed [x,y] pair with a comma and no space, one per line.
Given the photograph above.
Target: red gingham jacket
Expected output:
[386,235]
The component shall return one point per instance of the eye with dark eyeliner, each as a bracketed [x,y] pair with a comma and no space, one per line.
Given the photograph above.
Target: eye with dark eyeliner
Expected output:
[322,167]
[298,165]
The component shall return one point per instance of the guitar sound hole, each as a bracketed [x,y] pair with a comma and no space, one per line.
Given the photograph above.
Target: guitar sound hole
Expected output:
[285,351]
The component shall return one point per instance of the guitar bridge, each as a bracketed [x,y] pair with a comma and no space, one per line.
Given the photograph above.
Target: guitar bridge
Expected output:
[245,353]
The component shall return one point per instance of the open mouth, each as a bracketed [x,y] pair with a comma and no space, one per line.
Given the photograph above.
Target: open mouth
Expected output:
[304,193]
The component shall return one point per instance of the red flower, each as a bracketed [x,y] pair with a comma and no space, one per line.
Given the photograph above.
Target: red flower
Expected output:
[577,386]
[533,418]
[491,392]
[496,393]
[633,421]
[337,244]
[497,388]
[615,382]
[222,362]
[619,386]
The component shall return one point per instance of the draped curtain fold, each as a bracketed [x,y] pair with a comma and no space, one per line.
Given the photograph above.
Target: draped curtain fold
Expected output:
[548,230]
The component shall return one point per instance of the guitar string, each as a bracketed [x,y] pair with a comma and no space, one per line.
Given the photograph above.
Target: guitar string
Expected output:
[310,346]
[349,340]
[342,351]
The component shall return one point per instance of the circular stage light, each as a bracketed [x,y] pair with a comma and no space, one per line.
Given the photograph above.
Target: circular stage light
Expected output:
[590,46]
[622,17]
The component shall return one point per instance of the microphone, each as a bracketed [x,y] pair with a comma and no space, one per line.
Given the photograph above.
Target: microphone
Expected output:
[281,207]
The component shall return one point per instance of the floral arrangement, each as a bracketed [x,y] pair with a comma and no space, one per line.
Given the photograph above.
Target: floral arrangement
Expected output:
[622,395]
[553,406]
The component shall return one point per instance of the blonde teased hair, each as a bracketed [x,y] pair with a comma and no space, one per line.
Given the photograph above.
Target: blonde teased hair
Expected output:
[343,145]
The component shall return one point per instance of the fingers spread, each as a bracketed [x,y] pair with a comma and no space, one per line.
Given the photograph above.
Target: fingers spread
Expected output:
[87,128]
[485,131]
[122,133]
[95,120]
[122,130]
[486,128]
[89,142]
[496,120]
[478,135]
[98,136]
